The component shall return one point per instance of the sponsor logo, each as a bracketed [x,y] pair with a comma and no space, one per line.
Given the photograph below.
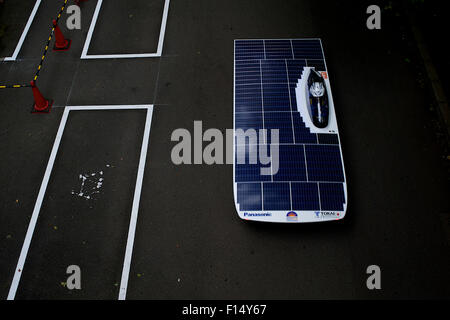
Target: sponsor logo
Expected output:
[326,214]
[257,214]
[291,216]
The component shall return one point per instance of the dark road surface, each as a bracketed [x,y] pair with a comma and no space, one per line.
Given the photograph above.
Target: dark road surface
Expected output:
[190,242]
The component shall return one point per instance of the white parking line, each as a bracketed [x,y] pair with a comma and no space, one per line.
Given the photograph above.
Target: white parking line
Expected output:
[135,208]
[158,53]
[24,33]
[37,208]
[43,188]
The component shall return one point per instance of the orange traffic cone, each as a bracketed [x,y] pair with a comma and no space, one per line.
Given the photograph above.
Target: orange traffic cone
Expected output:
[61,43]
[41,105]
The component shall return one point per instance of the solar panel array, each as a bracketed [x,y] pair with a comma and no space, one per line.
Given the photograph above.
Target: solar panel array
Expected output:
[310,175]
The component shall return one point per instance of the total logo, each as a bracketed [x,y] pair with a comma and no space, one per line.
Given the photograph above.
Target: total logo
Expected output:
[327,214]
[291,216]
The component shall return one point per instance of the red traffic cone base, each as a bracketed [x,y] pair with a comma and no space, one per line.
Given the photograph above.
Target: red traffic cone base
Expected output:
[41,105]
[61,43]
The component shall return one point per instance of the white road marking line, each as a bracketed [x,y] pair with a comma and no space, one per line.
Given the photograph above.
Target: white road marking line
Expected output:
[42,190]
[121,56]
[109,107]
[24,33]
[162,32]
[135,208]
[158,53]
[37,208]
[91,29]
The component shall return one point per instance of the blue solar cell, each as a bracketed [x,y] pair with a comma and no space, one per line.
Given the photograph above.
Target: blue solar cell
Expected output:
[291,164]
[249,196]
[324,163]
[248,49]
[302,134]
[293,96]
[278,49]
[247,72]
[248,165]
[274,71]
[246,153]
[250,173]
[246,121]
[295,69]
[307,49]
[276,97]
[277,196]
[248,98]
[332,196]
[281,121]
[305,196]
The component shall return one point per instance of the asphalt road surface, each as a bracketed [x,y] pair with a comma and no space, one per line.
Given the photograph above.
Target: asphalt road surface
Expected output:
[189,241]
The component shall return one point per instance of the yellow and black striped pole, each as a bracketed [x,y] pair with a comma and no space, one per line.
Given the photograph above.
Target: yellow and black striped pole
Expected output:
[47,45]
[13,86]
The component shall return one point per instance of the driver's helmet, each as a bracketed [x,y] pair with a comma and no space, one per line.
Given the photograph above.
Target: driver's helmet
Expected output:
[317,89]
